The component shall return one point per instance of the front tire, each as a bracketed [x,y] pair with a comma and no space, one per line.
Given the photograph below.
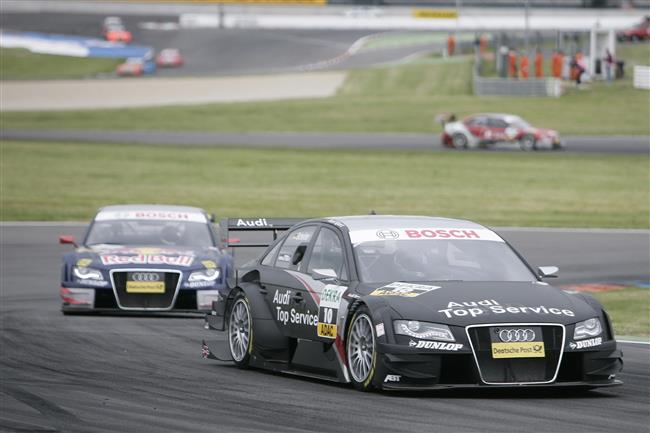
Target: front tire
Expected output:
[460,141]
[240,331]
[361,349]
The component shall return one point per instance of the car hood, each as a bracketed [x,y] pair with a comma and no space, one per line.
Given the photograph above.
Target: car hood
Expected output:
[467,303]
[117,256]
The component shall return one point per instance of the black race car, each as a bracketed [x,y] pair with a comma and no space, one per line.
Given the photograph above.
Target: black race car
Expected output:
[407,302]
[145,258]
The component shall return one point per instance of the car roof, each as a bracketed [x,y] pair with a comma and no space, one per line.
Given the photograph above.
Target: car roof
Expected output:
[150,207]
[380,222]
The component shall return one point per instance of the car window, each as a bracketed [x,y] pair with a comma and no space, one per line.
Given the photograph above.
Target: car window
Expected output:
[497,123]
[270,257]
[294,239]
[477,121]
[328,254]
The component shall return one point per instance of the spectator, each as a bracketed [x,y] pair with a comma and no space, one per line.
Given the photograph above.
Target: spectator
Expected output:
[512,64]
[609,65]
[451,45]
[523,67]
[539,64]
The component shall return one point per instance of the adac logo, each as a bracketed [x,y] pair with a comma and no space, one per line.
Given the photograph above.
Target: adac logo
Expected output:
[387,234]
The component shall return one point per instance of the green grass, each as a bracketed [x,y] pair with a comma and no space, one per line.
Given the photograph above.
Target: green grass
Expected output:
[393,99]
[629,310]
[54,181]
[21,64]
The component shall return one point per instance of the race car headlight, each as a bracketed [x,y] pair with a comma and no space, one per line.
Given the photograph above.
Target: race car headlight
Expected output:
[587,328]
[84,273]
[423,330]
[204,275]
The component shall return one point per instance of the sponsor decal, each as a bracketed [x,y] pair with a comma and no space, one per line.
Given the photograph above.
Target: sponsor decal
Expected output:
[284,316]
[583,344]
[406,290]
[260,222]
[388,234]
[199,284]
[146,259]
[477,308]
[328,310]
[392,378]
[301,236]
[95,283]
[435,345]
[379,329]
[84,263]
[160,215]
[209,264]
[529,349]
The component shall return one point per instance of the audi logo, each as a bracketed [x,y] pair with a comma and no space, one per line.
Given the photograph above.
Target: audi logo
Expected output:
[516,335]
[145,276]
[387,234]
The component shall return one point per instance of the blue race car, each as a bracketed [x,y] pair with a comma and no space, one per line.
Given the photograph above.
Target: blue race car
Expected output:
[145,258]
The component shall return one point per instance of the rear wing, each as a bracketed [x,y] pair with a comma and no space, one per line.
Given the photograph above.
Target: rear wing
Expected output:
[273,227]
[252,235]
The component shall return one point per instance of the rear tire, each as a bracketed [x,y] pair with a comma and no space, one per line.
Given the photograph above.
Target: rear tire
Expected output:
[528,142]
[361,350]
[240,331]
[460,141]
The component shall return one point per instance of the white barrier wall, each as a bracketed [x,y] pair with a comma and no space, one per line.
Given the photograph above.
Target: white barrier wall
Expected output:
[642,77]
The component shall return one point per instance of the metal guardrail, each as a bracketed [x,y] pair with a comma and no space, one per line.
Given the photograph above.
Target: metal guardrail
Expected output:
[511,87]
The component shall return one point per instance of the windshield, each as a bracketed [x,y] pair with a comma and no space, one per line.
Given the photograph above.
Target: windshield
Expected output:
[439,260]
[520,123]
[150,232]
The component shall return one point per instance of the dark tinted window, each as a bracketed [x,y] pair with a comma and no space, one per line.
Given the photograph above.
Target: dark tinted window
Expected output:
[328,254]
[294,239]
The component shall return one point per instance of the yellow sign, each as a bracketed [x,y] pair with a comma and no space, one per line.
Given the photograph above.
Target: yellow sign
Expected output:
[145,287]
[209,264]
[326,330]
[434,14]
[83,263]
[526,349]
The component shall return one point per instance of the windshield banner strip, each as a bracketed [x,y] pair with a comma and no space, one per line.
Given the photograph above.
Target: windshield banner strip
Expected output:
[160,215]
[390,234]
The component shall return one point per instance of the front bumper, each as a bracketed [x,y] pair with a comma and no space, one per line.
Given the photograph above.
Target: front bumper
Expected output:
[408,369]
[89,300]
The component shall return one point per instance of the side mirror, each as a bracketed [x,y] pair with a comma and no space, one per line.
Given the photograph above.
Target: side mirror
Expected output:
[548,271]
[213,218]
[68,240]
[298,254]
[323,274]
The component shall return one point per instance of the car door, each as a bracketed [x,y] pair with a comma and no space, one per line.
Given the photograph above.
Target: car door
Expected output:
[497,128]
[283,291]
[324,282]
[477,126]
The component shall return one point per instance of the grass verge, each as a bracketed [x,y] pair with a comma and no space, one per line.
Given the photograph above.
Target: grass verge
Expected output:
[394,99]
[21,64]
[54,181]
[629,310]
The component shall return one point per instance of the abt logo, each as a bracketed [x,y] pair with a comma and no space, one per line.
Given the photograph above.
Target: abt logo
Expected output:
[392,378]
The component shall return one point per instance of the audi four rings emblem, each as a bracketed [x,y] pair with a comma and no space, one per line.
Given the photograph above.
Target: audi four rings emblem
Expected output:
[516,335]
[145,276]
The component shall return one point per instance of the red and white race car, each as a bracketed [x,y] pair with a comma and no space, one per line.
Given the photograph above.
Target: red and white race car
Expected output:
[640,32]
[113,30]
[485,130]
[169,58]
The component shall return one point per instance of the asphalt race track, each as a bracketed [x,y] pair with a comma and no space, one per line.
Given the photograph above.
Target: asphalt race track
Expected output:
[313,140]
[145,374]
[223,51]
